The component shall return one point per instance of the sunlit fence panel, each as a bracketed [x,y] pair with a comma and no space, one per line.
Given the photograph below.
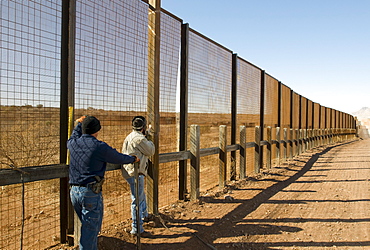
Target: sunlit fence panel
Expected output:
[248,104]
[316,116]
[309,114]
[285,116]
[304,112]
[29,119]
[271,112]
[169,106]
[296,110]
[209,103]
[111,80]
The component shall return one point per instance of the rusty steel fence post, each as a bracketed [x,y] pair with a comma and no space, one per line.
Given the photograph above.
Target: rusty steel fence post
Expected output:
[67,79]
[194,162]
[222,156]
[262,119]
[285,136]
[154,31]
[291,138]
[257,147]
[268,151]
[242,152]
[278,143]
[183,122]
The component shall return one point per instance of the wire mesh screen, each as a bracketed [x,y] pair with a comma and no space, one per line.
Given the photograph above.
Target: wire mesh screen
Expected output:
[285,107]
[248,104]
[329,121]
[309,114]
[304,112]
[333,117]
[323,117]
[296,110]
[285,116]
[316,113]
[169,76]
[29,119]
[271,102]
[111,79]
[209,103]
[271,112]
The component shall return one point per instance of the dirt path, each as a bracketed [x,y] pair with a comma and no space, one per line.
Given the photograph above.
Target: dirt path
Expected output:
[319,200]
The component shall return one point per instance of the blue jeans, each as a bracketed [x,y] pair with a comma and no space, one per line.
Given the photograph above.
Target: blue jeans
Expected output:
[143,212]
[89,208]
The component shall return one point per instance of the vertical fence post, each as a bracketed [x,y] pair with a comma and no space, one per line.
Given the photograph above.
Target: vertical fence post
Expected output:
[291,136]
[296,152]
[183,122]
[262,118]
[300,141]
[67,77]
[257,147]
[243,152]
[285,135]
[194,162]
[314,138]
[234,96]
[307,139]
[222,156]
[153,99]
[278,146]
[268,151]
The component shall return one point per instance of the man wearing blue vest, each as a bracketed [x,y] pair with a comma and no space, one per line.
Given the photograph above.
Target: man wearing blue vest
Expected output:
[88,160]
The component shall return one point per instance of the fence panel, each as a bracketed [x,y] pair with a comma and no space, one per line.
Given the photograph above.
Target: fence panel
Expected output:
[271,111]
[209,103]
[285,116]
[309,114]
[111,80]
[304,112]
[323,117]
[29,119]
[316,111]
[248,105]
[169,106]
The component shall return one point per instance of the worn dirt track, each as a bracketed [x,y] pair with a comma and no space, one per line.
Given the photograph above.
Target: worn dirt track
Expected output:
[318,200]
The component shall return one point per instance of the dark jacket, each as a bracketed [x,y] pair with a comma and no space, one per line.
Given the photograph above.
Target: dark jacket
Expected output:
[89,157]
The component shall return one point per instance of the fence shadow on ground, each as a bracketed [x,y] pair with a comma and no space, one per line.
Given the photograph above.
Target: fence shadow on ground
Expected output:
[231,219]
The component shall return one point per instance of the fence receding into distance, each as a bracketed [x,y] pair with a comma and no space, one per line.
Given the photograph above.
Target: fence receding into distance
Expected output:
[216,117]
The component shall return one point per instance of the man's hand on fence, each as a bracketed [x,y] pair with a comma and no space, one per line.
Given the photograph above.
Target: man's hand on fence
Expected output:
[81,119]
[136,159]
[149,132]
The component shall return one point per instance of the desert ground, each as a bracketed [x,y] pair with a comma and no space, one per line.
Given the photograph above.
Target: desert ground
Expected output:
[318,200]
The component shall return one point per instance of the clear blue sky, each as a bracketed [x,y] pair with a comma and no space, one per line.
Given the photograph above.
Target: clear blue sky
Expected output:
[319,48]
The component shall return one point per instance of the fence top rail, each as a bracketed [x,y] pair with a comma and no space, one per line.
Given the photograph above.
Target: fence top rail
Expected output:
[210,40]
[248,62]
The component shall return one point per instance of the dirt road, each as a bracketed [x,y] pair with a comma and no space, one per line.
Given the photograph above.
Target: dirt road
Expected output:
[319,200]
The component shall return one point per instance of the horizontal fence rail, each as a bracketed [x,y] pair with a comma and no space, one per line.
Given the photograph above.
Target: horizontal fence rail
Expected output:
[48,172]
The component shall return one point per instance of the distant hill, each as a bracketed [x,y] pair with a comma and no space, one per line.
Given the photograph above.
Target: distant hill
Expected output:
[363,113]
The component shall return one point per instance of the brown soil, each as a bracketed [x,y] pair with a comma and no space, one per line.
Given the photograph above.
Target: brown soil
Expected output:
[318,200]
